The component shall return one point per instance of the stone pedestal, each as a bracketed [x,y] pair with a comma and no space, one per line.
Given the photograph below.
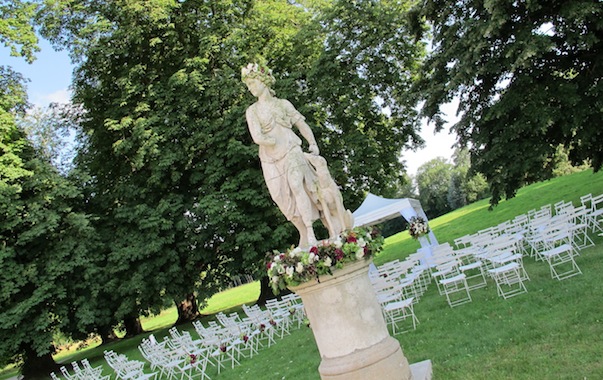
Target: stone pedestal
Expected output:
[349,329]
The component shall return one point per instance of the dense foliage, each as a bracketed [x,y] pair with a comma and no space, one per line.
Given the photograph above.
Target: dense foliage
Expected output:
[172,174]
[45,243]
[529,78]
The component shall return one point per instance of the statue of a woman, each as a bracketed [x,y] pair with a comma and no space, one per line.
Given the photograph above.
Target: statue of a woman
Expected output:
[291,179]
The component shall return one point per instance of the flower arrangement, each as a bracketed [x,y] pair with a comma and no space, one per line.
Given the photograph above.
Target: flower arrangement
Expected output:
[244,337]
[297,266]
[191,359]
[258,71]
[418,227]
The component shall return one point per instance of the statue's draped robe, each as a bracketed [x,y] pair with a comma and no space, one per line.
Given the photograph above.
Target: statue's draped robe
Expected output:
[284,157]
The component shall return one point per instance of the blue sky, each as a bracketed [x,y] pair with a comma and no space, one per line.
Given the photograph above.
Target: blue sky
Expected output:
[49,74]
[50,78]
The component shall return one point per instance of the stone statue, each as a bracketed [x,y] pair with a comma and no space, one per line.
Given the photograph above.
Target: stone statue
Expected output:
[299,183]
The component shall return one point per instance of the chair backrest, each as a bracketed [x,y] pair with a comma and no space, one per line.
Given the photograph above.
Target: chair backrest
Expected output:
[597,202]
[66,373]
[586,200]
[76,368]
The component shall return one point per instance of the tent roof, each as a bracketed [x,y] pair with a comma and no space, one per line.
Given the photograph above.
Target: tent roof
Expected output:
[376,209]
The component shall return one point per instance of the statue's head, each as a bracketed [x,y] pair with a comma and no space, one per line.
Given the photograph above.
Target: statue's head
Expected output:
[258,71]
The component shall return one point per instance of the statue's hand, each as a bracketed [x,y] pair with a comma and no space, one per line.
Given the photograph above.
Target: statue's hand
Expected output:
[314,149]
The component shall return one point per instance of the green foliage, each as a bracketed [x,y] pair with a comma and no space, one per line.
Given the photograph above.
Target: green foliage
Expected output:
[465,186]
[433,182]
[528,75]
[51,132]
[44,245]
[13,101]
[174,178]
[16,28]
[357,93]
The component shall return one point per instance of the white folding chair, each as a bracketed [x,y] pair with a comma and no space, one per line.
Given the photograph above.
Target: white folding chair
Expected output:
[68,375]
[559,254]
[127,369]
[595,214]
[456,290]
[508,279]
[397,311]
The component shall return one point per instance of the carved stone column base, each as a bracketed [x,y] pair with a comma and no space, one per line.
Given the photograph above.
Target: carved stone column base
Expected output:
[349,328]
[383,360]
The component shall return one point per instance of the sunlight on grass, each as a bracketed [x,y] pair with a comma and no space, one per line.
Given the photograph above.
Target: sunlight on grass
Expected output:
[247,293]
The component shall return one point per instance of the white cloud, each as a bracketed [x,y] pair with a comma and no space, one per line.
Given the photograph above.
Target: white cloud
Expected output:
[61,96]
[42,100]
[436,144]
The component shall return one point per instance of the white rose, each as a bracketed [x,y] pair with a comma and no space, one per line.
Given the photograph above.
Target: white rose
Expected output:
[338,243]
[299,267]
[289,271]
[311,258]
[360,253]
[295,252]
[275,279]
[361,242]
[328,262]
[277,258]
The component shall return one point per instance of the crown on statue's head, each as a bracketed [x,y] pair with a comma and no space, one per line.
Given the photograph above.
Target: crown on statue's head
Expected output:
[258,71]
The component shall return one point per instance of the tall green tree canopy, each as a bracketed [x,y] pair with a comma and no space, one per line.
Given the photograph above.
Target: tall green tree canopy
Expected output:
[433,183]
[529,78]
[16,28]
[175,178]
[44,243]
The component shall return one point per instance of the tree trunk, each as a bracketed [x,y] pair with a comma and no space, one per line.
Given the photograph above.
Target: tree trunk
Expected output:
[37,367]
[107,334]
[266,292]
[133,326]
[188,309]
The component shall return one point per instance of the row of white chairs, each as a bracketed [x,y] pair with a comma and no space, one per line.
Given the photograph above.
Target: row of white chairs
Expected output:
[594,216]
[220,344]
[127,369]
[398,286]
[554,233]
[173,358]
[81,371]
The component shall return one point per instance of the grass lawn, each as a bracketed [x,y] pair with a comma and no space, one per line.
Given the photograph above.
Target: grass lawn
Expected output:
[552,332]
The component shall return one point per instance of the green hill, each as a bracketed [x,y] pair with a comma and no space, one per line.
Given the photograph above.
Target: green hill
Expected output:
[477,216]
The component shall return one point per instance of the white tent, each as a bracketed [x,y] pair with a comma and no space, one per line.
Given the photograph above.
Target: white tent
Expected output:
[376,209]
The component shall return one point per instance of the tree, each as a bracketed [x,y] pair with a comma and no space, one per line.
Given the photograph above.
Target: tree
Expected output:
[465,187]
[433,180]
[528,75]
[51,130]
[16,28]
[357,90]
[44,244]
[174,176]
[175,179]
